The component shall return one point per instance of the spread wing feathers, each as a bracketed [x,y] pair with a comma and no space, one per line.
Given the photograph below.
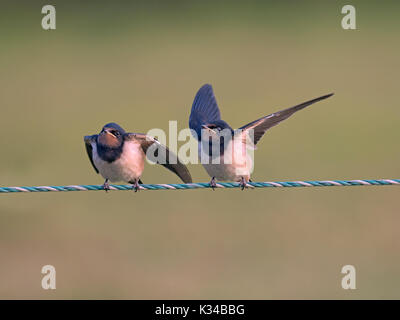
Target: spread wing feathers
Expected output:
[204,108]
[88,143]
[158,153]
[261,125]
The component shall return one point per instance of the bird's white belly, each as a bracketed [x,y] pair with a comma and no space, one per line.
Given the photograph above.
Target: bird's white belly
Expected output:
[233,165]
[128,167]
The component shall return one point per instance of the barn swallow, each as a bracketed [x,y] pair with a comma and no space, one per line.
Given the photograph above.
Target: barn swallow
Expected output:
[205,115]
[119,156]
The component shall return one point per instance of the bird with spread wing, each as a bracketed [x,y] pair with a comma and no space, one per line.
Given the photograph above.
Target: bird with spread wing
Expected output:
[205,121]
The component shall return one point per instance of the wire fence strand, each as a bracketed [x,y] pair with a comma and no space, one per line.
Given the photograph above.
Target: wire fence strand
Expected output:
[202,185]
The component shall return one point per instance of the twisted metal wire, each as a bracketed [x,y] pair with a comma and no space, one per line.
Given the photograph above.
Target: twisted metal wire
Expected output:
[191,186]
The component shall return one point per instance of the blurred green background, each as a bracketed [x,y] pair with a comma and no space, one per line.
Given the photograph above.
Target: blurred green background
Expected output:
[140,64]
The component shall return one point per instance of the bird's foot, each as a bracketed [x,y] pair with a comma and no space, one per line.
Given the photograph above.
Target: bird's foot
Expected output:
[243,183]
[135,185]
[213,184]
[106,186]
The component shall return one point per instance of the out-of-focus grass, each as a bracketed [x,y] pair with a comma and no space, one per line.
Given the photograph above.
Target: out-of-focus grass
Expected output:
[141,65]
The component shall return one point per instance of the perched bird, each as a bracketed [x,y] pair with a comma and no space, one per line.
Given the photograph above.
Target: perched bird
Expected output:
[205,115]
[119,156]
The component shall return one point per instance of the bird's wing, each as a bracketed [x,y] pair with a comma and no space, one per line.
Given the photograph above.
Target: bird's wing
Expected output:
[88,143]
[204,108]
[260,126]
[160,154]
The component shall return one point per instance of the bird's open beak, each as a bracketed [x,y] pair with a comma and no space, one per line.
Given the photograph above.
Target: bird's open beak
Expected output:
[208,128]
[108,132]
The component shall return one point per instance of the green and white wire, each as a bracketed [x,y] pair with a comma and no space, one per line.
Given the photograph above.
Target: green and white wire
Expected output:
[201,185]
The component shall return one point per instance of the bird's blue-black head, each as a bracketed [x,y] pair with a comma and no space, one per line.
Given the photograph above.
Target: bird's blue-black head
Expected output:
[217,136]
[112,126]
[110,142]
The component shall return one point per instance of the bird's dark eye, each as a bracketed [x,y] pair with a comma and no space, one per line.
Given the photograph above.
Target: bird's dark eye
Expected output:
[116,133]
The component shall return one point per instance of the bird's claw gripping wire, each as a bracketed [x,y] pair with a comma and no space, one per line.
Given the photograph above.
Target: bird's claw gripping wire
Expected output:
[135,185]
[243,184]
[213,184]
[106,186]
